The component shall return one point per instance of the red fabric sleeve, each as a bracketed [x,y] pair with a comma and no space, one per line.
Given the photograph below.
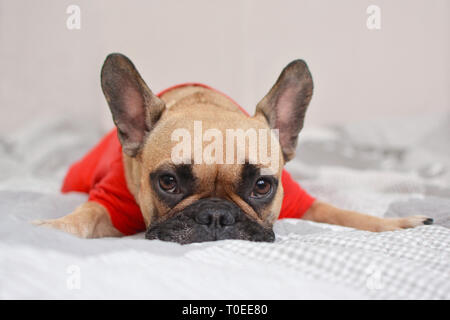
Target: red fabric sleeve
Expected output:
[101,174]
[296,201]
[112,192]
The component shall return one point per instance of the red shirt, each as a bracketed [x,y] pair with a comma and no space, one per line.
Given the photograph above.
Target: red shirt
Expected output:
[100,173]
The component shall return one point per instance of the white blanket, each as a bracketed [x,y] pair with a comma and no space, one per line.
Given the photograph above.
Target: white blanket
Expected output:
[397,168]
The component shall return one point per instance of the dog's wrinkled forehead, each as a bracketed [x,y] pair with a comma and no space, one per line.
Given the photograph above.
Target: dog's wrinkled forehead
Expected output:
[205,134]
[212,146]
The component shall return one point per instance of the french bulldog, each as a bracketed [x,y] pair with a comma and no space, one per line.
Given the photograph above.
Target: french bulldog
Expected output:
[186,198]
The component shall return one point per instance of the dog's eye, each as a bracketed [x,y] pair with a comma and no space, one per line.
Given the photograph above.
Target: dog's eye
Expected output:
[262,188]
[168,183]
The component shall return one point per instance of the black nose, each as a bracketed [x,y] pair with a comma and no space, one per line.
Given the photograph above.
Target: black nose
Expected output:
[215,213]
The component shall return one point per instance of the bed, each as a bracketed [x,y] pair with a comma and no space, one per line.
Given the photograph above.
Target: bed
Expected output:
[389,168]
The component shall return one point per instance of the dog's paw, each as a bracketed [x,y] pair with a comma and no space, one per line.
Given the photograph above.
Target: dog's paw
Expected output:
[415,221]
[63,225]
[40,222]
[392,224]
[52,223]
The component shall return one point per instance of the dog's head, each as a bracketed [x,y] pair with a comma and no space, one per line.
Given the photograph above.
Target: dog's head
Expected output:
[199,167]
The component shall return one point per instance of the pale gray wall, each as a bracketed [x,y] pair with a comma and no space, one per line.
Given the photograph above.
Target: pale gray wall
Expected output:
[238,47]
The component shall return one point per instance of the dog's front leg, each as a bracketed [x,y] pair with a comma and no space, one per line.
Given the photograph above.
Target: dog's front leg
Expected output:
[323,212]
[90,220]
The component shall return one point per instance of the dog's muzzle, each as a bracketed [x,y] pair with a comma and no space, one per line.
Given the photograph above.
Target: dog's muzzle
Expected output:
[210,219]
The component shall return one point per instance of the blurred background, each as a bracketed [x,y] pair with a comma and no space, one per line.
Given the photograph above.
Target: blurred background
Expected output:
[239,47]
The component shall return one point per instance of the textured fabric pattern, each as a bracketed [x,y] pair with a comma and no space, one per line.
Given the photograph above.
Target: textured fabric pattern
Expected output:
[409,264]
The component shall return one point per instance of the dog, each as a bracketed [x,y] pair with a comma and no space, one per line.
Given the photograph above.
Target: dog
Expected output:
[135,184]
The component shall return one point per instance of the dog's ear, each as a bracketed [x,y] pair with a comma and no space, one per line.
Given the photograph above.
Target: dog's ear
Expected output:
[135,109]
[285,105]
